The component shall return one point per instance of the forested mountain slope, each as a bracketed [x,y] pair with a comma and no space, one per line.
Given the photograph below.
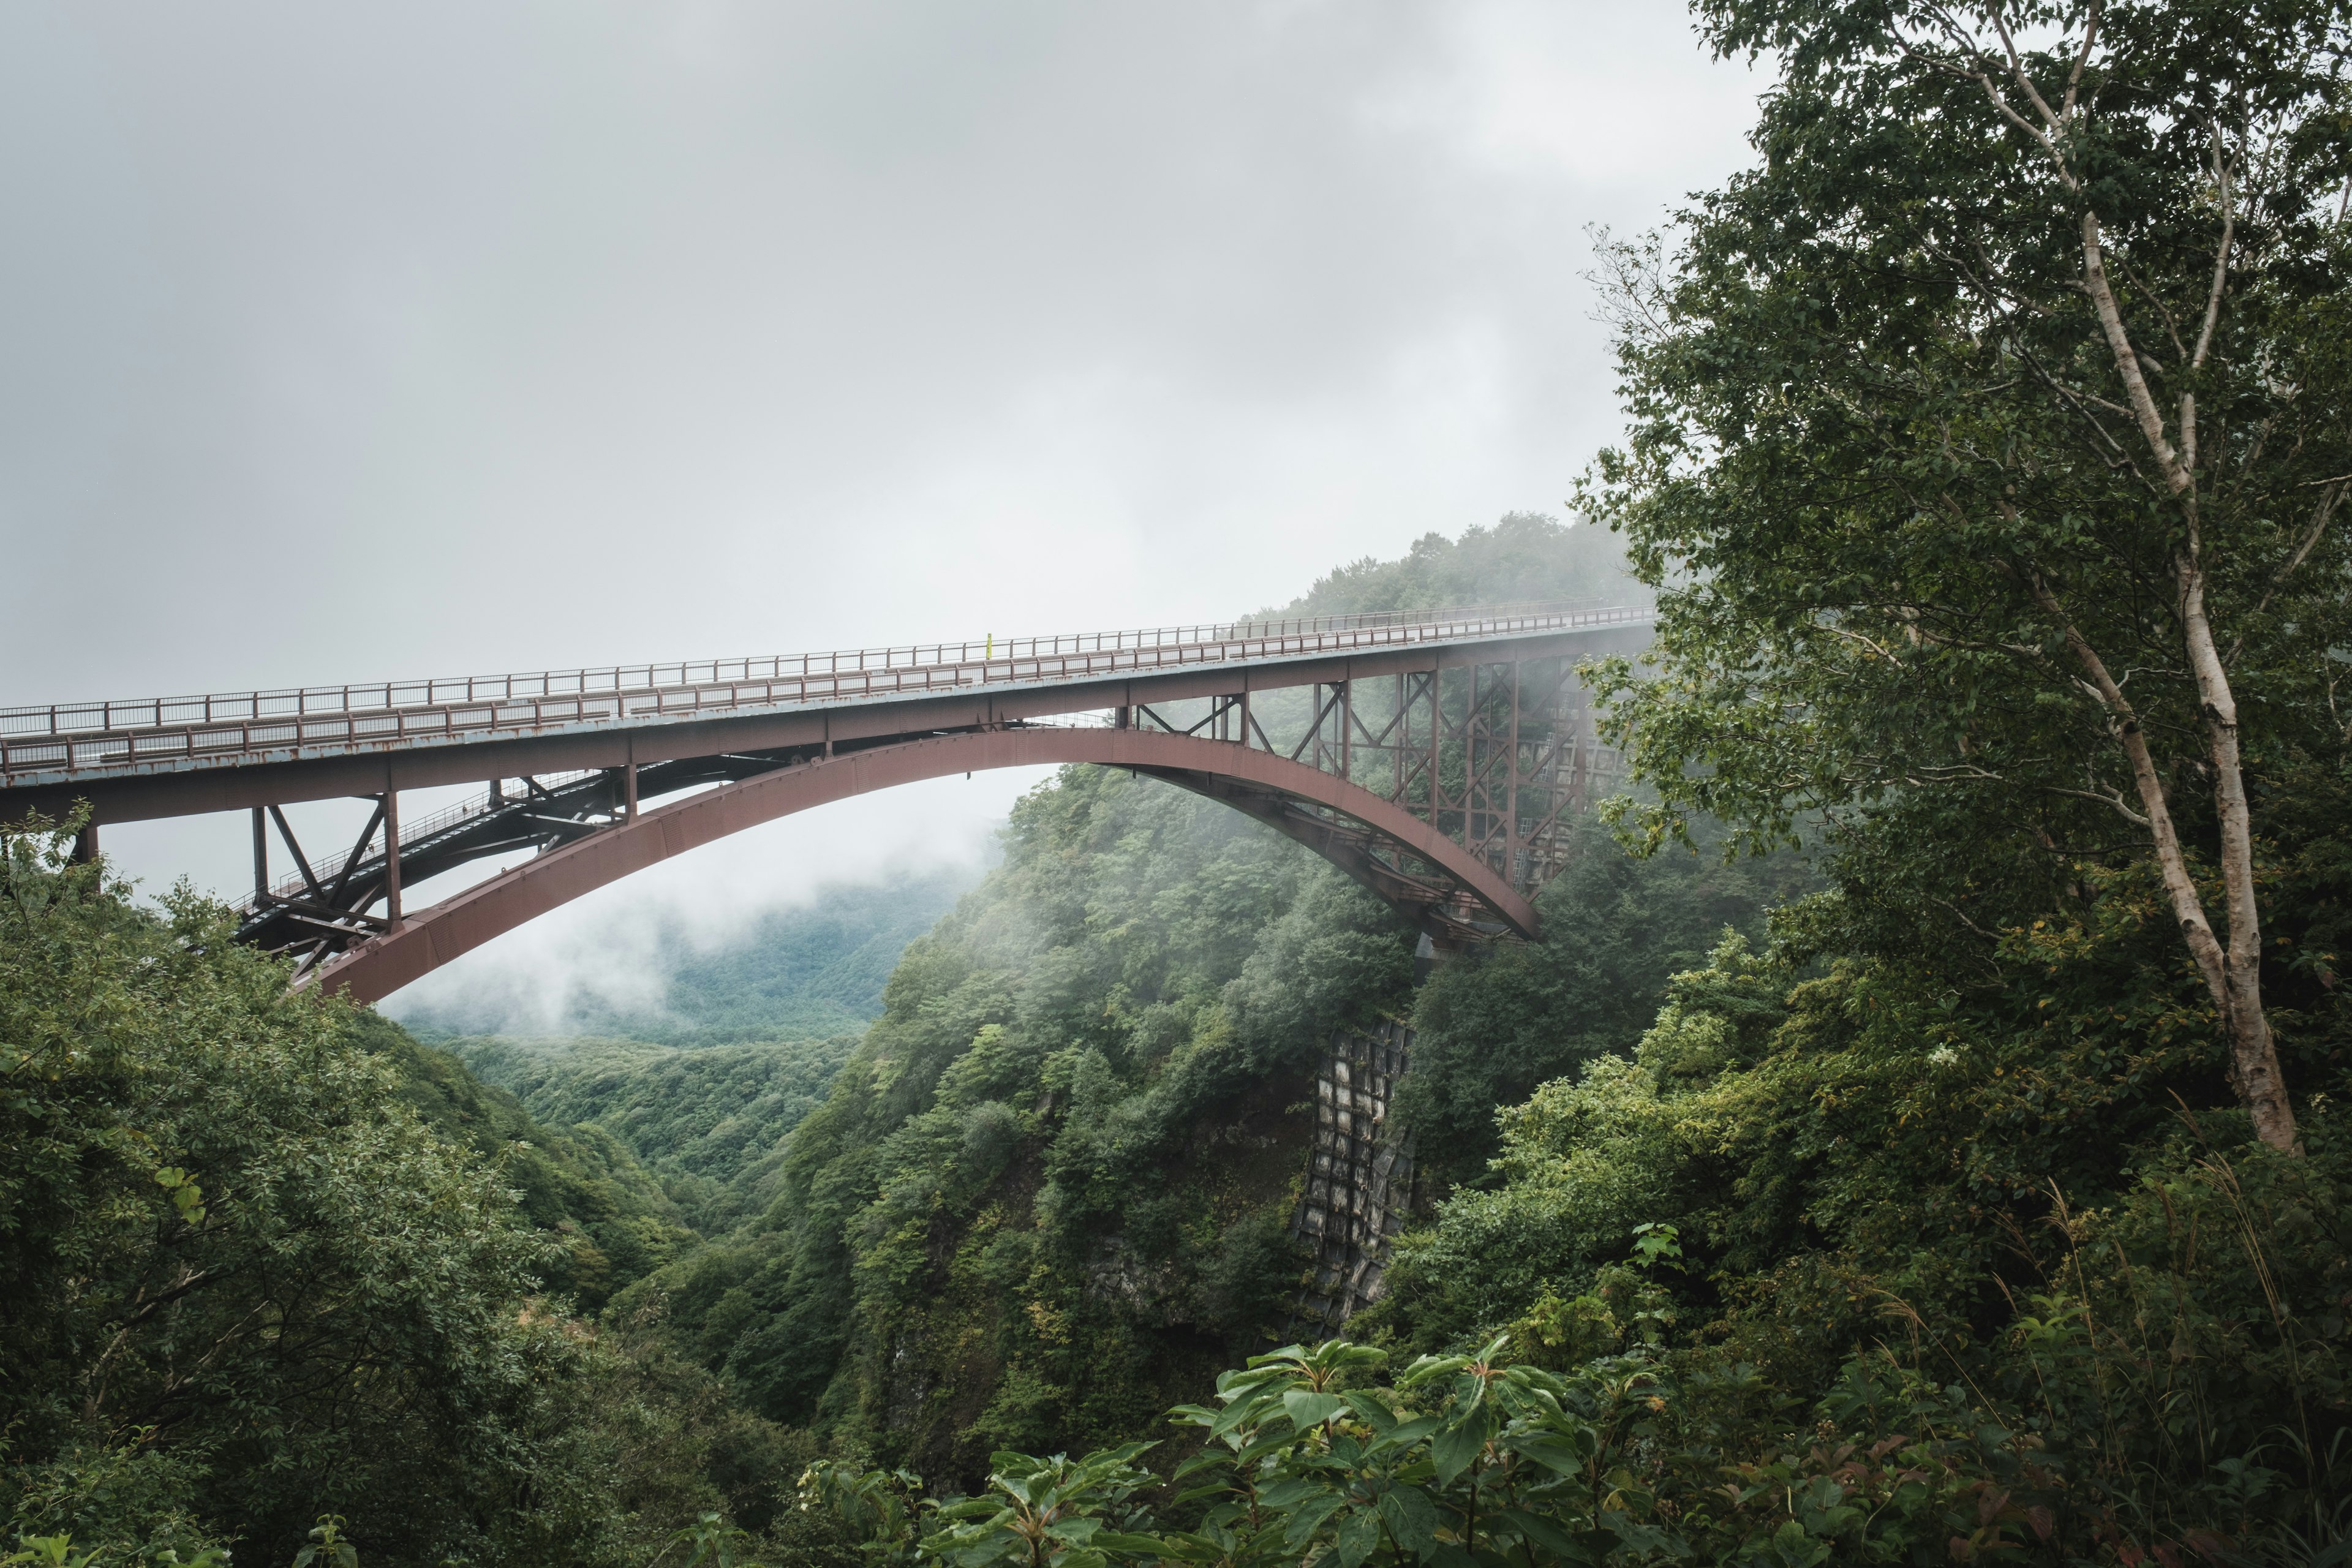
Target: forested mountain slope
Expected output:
[1050,1192]
[1527,557]
[709,1120]
[265,1258]
[578,1183]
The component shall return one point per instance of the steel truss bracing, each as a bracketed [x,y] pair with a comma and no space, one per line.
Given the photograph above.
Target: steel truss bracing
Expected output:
[1498,756]
[318,913]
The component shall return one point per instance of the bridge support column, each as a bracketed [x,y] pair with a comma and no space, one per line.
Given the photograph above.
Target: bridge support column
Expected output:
[261,858]
[390,854]
[84,844]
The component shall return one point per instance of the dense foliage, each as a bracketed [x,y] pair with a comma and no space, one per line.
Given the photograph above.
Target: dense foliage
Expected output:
[1492,1027]
[710,1120]
[1833,1266]
[1525,558]
[610,1217]
[248,1283]
[1986,450]
[1048,1192]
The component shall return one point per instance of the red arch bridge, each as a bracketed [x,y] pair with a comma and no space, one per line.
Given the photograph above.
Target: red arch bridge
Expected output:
[1434,756]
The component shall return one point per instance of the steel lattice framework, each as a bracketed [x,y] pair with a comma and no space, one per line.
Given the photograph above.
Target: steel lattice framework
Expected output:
[1434,756]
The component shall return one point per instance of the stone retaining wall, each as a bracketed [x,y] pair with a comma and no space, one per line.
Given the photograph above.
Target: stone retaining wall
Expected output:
[1359,1184]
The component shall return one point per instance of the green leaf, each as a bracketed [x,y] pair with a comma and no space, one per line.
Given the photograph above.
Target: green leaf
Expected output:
[1208,1459]
[1411,1432]
[1566,1453]
[1307,1410]
[1458,1445]
[1143,1545]
[1410,1517]
[1534,1527]
[1358,1538]
[1309,1517]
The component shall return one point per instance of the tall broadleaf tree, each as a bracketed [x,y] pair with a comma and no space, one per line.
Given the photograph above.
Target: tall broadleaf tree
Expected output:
[1986,447]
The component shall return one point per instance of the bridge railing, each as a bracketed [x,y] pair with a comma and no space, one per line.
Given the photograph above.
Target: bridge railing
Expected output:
[66,737]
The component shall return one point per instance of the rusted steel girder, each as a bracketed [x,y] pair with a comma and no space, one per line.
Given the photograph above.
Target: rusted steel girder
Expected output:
[1397,855]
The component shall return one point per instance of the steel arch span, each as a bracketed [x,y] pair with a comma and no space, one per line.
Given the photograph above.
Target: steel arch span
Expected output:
[1398,855]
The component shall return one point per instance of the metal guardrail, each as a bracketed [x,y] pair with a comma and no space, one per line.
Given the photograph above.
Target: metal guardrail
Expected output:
[70,737]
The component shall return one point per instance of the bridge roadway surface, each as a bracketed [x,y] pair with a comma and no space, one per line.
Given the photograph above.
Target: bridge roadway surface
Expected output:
[764,737]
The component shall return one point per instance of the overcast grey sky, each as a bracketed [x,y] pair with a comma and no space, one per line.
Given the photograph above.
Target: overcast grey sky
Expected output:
[365,340]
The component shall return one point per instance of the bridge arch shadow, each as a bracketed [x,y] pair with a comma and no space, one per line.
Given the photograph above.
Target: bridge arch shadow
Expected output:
[1454,894]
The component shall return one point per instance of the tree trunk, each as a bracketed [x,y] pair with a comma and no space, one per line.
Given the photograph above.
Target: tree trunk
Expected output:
[2235,983]
[2254,1055]
[2234,975]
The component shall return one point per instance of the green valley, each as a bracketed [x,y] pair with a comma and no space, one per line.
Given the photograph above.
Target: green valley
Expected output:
[1910,1128]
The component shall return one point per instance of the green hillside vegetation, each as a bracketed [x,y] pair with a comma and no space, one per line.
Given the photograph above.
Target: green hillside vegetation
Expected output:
[800,972]
[710,1120]
[1616,930]
[267,1259]
[1853,1256]
[1048,1192]
[580,1184]
[1055,1180]
[1525,558]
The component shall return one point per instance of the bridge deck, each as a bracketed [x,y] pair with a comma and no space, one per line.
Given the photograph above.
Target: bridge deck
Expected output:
[134,758]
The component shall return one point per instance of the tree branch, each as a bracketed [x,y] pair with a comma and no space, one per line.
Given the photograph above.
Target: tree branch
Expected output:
[2220,253]
[2082,58]
[2116,801]
[2102,301]
[2172,864]
[2017,69]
